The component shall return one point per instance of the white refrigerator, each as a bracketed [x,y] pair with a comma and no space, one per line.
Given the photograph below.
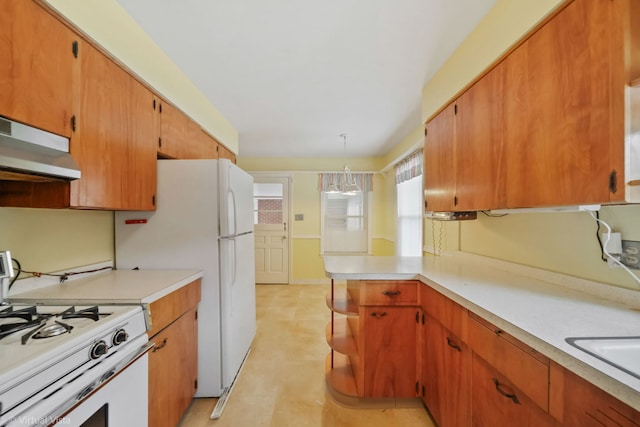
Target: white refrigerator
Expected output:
[204,220]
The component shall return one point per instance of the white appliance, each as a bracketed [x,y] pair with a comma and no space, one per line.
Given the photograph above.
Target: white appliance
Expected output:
[204,220]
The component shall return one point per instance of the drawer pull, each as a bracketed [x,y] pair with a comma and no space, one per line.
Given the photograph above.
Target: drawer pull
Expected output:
[498,331]
[161,346]
[452,344]
[391,293]
[511,396]
[378,315]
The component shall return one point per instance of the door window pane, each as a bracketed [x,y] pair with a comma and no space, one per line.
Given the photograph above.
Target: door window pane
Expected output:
[267,203]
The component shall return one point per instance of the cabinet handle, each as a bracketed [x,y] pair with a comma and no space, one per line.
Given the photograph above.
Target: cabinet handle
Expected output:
[161,346]
[511,396]
[498,331]
[378,315]
[391,293]
[452,344]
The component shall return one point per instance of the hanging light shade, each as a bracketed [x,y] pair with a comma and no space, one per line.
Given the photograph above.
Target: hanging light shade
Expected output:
[350,187]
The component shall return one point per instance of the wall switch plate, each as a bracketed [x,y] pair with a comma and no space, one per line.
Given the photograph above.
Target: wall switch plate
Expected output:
[299,217]
[630,255]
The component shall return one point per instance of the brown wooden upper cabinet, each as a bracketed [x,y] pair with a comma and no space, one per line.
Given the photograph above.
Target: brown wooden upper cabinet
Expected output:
[114,140]
[550,123]
[38,67]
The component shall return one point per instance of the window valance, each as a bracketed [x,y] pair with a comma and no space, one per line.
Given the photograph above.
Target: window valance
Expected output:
[409,167]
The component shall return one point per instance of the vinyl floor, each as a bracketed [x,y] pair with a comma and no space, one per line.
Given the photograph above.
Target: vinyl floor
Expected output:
[282,383]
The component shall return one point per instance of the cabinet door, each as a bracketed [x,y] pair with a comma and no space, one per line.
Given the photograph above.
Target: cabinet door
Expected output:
[496,402]
[199,145]
[225,153]
[561,132]
[446,367]
[114,140]
[480,166]
[587,405]
[173,371]
[389,335]
[38,67]
[174,126]
[439,162]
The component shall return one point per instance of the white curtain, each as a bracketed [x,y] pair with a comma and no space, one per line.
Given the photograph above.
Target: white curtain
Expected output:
[409,202]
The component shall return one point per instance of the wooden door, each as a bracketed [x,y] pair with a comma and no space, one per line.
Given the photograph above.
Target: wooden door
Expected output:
[38,68]
[496,402]
[446,367]
[389,351]
[561,106]
[439,162]
[480,166]
[113,142]
[174,127]
[271,229]
[173,370]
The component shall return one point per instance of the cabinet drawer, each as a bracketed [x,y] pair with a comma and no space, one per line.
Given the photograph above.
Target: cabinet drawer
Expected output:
[446,311]
[168,308]
[389,292]
[524,367]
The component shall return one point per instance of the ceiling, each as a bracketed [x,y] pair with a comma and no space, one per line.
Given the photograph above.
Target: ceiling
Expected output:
[292,75]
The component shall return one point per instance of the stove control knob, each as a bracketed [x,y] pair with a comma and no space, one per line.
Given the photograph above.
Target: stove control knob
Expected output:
[119,337]
[98,349]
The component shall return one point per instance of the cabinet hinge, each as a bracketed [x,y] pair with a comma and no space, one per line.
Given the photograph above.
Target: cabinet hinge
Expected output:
[73,123]
[455,200]
[196,314]
[153,200]
[455,108]
[417,317]
[160,106]
[613,181]
[426,131]
[195,383]
[160,142]
[74,48]
[154,105]
[417,388]
[217,148]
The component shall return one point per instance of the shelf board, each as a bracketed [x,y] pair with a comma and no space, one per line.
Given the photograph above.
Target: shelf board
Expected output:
[341,340]
[342,303]
[340,378]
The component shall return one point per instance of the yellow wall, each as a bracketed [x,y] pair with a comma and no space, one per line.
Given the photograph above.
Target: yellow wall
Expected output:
[306,262]
[561,242]
[47,240]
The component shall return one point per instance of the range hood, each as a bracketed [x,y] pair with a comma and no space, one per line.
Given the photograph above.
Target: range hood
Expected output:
[30,154]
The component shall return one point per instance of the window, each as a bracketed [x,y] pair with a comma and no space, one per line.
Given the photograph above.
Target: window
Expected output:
[267,203]
[345,223]
[409,202]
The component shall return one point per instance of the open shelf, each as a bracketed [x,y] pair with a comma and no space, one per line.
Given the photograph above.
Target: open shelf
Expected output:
[341,340]
[340,378]
[342,303]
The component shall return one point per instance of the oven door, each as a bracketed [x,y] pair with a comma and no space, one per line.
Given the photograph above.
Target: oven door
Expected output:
[121,402]
[112,393]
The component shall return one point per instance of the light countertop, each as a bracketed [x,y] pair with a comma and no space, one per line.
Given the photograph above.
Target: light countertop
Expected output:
[112,287]
[539,308]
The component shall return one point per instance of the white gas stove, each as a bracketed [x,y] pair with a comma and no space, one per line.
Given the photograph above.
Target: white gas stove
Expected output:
[53,358]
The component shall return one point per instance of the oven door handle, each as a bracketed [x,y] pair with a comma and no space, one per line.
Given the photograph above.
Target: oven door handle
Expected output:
[77,399]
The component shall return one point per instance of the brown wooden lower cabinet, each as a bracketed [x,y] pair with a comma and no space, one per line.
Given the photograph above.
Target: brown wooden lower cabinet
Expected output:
[389,352]
[583,404]
[173,362]
[173,371]
[445,380]
[496,402]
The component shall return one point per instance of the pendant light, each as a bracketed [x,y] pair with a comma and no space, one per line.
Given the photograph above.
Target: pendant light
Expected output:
[350,186]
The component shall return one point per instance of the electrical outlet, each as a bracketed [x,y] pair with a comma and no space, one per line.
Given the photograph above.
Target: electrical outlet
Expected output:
[630,255]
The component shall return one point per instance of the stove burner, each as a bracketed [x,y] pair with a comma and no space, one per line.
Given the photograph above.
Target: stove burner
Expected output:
[52,330]
[88,313]
[26,313]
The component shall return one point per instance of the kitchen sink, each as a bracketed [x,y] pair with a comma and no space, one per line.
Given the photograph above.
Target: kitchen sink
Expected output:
[621,352]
